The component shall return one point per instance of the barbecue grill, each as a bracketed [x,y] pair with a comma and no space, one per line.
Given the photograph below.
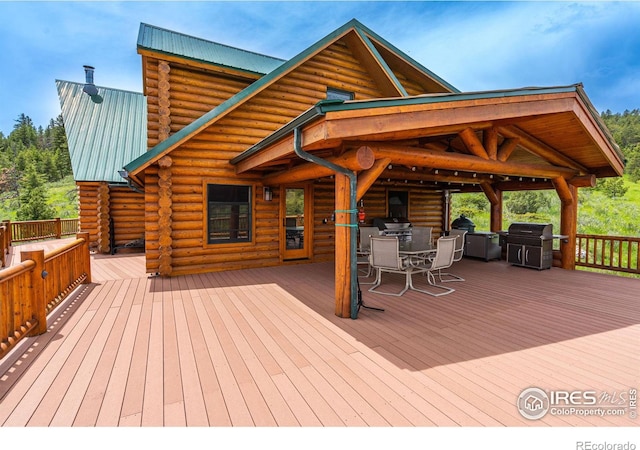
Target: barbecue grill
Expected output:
[530,245]
[394,226]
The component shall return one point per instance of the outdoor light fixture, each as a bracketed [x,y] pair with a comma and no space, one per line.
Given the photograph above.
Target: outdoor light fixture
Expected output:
[89,88]
[267,193]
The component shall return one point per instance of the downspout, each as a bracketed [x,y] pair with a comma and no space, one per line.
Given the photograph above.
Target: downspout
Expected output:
[297,147]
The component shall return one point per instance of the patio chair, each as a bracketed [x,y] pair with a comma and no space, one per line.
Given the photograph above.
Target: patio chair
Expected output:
[421,234]
[457,256]
[385,257]
[443,259]
[364,250]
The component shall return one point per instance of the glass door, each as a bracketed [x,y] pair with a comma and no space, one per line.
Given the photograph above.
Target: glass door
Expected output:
[295,222]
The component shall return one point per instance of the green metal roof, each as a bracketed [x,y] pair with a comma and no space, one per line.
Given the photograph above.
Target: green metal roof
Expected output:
[259,84]
[172,43]
[102,137]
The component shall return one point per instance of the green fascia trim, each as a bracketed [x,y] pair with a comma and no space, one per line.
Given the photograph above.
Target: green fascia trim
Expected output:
[443,98]
[409,59]
[382,62]
[246,93]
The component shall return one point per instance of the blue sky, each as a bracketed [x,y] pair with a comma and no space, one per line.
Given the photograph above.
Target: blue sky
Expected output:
[472,45]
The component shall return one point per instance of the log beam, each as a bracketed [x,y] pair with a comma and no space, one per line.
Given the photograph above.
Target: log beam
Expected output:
[165,211]
[506,148]
[355,160]
[368,177]
[541,149]
[472,143]
[420,157]
[490,142]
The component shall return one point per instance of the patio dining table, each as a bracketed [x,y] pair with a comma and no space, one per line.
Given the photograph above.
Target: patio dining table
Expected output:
[414,248]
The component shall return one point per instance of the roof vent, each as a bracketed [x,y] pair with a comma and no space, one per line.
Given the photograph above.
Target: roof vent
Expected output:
[89,88]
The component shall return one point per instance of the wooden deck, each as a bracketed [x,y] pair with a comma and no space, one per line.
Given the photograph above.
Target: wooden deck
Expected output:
[263,347]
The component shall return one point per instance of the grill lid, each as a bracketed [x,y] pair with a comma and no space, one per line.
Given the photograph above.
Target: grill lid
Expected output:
[538,230]
[391,223]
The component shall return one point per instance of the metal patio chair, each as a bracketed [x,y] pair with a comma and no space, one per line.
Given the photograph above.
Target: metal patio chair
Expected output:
[457,256]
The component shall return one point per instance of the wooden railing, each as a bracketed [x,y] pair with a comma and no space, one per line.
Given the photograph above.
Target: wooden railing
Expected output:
[32,288]
[35,230]
[617,253]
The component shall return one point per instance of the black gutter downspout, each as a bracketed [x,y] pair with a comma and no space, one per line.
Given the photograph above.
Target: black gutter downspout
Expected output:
[297,147]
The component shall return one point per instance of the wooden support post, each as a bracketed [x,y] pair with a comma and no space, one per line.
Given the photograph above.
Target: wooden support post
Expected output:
[342,252]
[37,303]
[86,255]
[495,198]
[568,221]
[58,228]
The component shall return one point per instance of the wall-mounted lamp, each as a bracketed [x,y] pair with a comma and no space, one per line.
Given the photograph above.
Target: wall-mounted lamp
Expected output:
[267,193]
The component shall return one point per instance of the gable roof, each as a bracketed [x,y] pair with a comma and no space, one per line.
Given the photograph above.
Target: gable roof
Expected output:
[207,119]
[171,43]
[102,137]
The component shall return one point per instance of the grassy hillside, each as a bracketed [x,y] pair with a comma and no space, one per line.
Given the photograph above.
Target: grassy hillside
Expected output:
[597,213]
[62,196]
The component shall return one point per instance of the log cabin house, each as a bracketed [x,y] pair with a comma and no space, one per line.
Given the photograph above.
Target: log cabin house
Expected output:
[350,122]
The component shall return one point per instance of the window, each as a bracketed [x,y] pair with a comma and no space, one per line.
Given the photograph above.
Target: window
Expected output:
[228,213]
[339,94]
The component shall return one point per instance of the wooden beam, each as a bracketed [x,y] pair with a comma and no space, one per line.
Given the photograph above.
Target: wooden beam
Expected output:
[583,181]
[490,141]
[506,148]
[472,143]
[490,193]
[355,160]
[363,54]
[562,188]
[420,157]
[368,177]
[568,221]
[541,149]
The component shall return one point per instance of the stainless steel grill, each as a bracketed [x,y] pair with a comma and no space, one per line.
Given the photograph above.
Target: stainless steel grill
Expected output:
[530,245]
[394,226]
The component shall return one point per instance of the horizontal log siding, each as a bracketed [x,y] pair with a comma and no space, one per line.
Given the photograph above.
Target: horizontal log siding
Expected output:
[194,93]
[323,233]
[127,212]
[425,206]
[206,156]
[88,209]
[426,210]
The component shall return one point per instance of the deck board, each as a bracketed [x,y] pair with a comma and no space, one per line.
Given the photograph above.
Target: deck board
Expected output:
[263,347]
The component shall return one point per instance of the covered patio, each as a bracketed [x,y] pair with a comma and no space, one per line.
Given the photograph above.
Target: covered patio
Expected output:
[263,347]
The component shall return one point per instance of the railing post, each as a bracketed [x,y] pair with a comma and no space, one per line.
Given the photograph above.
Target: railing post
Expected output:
[86,255]
[35,298]
[9,233]
[58,226]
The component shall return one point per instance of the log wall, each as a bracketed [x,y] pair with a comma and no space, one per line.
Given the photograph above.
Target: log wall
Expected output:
[125,208]
[204,159]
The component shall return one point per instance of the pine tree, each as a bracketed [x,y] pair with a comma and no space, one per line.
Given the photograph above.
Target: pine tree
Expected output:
[33,198]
